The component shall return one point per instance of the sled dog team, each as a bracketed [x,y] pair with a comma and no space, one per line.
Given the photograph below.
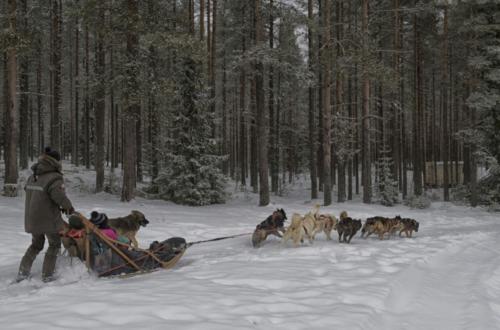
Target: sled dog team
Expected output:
[313,223]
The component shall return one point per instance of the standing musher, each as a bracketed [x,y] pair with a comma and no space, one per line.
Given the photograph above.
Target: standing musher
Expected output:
[45,200]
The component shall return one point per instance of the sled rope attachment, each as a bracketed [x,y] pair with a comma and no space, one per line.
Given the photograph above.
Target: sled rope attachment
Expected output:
[216,239]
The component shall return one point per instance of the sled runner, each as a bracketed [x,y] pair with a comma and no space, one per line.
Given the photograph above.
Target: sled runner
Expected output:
[107,257]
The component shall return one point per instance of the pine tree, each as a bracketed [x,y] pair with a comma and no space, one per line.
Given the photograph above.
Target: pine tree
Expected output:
[193,175]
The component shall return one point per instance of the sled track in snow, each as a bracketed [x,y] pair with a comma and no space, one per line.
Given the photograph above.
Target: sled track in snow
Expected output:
[456,288]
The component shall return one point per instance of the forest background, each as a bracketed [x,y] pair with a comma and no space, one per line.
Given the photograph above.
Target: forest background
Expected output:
[378,99]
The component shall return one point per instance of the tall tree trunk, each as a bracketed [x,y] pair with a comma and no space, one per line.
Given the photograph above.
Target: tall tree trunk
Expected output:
[6,105]
[154,126]
[358,119]
[31,142]
[366,150]
[469,153]
[117,139]
[155,130]
[243,118]
[55,137]
[273,152]
[191,16]
[417,151]
[339,100]
[51,75]
[262,120]
[351,144]
[76,137]
[254,157]
[396,108]
[319,73]
[326,55]
[225,147]
[350,162]
[202,20]
[243,134]
[313,170]
[213,53]
[114,115]
[233,132]
[132,103]
[472,157]
[404,143]
[24,99]
[100,108]
[68,132]
[139,131]
[41,128]
[11,131]
[60,51]
[455,112]
[444,102]
[209,38]
[87,99]
[138,140]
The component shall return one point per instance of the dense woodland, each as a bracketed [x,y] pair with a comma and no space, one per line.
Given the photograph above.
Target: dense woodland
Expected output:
[381,99]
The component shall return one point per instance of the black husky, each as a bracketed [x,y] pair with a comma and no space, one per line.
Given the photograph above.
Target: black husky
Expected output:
[273,225]
[347,228]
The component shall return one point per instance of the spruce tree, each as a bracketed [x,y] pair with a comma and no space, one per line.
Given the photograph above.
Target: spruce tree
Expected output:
[193,175]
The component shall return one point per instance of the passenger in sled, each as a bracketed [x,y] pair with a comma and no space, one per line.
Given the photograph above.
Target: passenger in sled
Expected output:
[107,253]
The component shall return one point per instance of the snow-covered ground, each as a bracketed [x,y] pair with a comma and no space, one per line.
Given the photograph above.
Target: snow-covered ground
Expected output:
[446,277]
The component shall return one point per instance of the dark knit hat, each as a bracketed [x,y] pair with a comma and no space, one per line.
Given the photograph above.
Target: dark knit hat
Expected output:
[97,218]
[53,153]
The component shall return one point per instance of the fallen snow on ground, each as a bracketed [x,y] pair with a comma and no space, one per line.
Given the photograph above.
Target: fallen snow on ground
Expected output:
[446,277]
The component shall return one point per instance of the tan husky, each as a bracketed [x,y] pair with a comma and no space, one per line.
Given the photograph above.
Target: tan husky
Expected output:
[295,231]
[308,226]
[325,223]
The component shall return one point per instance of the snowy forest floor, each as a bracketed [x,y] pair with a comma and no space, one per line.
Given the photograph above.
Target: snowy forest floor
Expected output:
[446,277]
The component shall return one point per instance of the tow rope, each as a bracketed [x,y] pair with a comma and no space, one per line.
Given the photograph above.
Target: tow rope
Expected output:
[216,239]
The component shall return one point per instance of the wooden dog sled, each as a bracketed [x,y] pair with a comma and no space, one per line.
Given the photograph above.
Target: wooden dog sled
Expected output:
[107,257]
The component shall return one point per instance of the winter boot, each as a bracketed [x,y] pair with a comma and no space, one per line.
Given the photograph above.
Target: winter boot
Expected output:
[49,266]
[49,262]
[26,263]
[48,279]
[21,277]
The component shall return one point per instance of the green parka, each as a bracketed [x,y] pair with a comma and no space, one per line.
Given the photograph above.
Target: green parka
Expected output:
[45,197]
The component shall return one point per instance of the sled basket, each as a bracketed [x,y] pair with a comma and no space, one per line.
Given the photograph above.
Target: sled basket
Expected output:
[107,257]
